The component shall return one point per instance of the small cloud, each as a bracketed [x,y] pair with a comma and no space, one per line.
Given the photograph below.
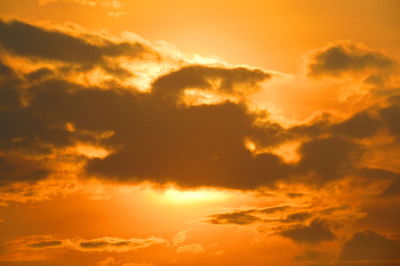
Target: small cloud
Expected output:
[116,14]
[191,248]
[116,4]
[179,238]
[314,233]
[346,57]
[238,218]
[111,244]
[46,244]
[109,261]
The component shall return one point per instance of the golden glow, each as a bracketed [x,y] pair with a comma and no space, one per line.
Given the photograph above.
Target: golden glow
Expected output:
[199,97]
[135,208]
[288,151]
[176,196]
[250,145]
[91,151]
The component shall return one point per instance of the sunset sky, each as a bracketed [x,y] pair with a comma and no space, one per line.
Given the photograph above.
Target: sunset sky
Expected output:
[213,132]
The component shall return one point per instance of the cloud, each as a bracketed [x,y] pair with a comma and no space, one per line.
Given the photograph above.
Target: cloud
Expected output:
[136,120]
[360,125]
[314,233]
[46,244]
[191,248]
[278,214]
[329,158]
[237,80]
[37,43]
[391,118]
[297,217]
[32,248]
[346,57]
[109,261]
[369,246]
[151,136]
[110,244]
[198,146]
[104,3]
[102,244]
[392,189]
[239,218]
[179,238]
[21,169]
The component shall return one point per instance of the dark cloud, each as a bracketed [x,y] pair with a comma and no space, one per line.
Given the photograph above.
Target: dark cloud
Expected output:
[14,168]
[22,39]
[250,216]
[229,80]
[344,57]
[193,146]
[361,125]
[28,244]
[94,244]
[295,195]
[190,146]
[297,217]
[5,71]
[393,189]
[155,139]
[270,210]
[117,244]
[370,246]
[380,174]
[329,158]
[46,244]
[391,117]
[245,217]
[32,41]
[102,244]
[316,232]
[39,74]
[238,218]
[24,128]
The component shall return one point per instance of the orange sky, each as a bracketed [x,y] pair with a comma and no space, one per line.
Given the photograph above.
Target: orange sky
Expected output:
[199,132]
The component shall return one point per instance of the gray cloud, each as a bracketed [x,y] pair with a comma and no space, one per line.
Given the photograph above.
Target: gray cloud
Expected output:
[361,125]
[102,244]
[392,189]
[329,158]
[343,57]
[15,168]
[370,246]
[237,80]
[155,138]
[246,217]
[238,218]
[207,140]
[316,232]
[23,39]
[391,118]
[46,244]
[118,245]
[297,217]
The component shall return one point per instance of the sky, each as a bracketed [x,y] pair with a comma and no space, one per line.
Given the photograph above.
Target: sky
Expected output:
[182,132]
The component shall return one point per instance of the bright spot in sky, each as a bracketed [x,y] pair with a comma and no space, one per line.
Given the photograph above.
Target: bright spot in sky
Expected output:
[176,196]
